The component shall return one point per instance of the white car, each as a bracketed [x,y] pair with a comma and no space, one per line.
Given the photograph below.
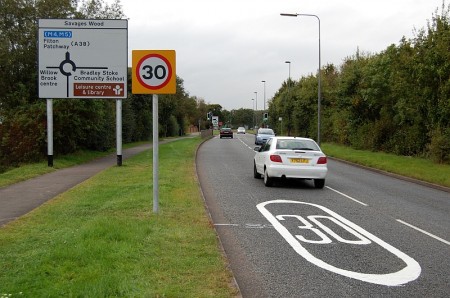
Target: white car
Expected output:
[241,130]
[290,157]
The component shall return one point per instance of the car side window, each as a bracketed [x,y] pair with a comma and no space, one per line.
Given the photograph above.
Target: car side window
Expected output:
[267,145]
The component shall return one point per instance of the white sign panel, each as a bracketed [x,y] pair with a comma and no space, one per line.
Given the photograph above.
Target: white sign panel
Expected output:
[82,58]
[215,121]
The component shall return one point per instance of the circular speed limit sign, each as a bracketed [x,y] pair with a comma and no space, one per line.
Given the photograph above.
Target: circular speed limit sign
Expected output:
[153,72]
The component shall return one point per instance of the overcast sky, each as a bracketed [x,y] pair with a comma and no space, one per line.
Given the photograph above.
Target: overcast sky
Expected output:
[224,49]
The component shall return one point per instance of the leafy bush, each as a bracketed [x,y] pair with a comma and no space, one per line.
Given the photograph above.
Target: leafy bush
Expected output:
[173,129]
[23,137]
[390,101]
[439,147]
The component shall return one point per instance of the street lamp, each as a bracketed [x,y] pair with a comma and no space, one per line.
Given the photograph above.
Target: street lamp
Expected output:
[264,82]
[256,105]
[264,119]
[288,101]
[253,124]
[319,95]
[289,81]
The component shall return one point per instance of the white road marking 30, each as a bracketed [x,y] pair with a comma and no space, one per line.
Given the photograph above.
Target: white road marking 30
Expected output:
[324,238]
[409,273]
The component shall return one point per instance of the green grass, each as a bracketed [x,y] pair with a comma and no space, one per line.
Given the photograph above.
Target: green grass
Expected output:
[101,238]
[32,170]
[418,168]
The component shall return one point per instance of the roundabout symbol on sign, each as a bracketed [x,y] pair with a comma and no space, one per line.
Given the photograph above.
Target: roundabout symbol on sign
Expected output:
[154,71]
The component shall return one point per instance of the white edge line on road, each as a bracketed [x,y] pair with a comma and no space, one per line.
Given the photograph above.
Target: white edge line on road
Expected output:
[423,231]
[348,197]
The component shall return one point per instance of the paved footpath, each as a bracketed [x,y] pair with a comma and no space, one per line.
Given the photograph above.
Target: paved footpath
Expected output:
[20,198]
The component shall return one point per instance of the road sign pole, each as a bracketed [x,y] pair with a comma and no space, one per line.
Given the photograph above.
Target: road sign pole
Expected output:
[50,132]
[154,73]
[119,131]
[155,155]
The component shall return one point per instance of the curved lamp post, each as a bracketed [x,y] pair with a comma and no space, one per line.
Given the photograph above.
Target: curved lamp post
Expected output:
[264,82]
[264,110]
[319,92]
[253,101]
[289,81]
[288,101]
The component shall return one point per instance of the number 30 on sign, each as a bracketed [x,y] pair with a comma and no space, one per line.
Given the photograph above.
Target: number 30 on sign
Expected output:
[153,72]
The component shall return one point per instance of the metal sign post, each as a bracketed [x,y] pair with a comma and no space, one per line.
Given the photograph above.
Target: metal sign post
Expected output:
[50,132]
[119,131]
[154,73]
[155,155]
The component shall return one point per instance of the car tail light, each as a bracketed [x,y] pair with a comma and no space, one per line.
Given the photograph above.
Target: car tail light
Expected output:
[322,160]
[275,158]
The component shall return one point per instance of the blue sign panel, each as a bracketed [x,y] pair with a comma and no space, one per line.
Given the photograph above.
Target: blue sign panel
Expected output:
[58,34]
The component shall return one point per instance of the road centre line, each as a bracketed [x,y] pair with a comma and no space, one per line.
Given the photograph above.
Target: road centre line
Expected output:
[245,144]
[424,232]
[399,220]
[348,197]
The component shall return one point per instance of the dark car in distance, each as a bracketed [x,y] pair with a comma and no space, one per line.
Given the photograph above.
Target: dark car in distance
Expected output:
[226,132]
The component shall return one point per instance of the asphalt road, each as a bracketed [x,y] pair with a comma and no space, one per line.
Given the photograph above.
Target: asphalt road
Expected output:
[364,234]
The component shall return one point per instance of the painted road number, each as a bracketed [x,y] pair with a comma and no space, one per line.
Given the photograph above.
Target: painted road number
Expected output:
[302,232]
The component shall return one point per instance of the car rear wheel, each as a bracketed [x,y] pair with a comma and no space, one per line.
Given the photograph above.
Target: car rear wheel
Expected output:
[319,183]
[256,175]
[267,180]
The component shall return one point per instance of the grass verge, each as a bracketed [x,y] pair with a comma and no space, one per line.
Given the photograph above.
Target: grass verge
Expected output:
[101,238]
[28,171]
[417,168]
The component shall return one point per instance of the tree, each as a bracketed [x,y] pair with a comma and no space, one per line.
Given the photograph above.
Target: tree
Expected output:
[98,9]
[77,123]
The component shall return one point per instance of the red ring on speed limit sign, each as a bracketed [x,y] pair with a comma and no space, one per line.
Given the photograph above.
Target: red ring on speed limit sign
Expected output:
[153,71]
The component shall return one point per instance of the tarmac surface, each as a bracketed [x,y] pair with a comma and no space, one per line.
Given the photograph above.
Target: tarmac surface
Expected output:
[22,197]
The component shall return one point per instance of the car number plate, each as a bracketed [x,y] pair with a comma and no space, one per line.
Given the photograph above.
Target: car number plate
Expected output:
[299,160]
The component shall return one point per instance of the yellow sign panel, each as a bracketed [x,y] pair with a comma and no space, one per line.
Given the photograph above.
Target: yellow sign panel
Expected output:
[153,72]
